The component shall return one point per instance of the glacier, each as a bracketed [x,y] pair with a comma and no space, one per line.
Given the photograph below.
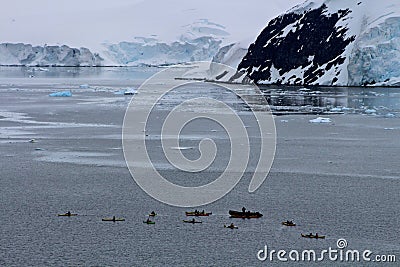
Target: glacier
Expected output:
[160,53]
[200,41]
[20,54]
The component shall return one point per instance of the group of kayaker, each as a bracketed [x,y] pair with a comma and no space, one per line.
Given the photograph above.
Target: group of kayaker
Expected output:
[291,223]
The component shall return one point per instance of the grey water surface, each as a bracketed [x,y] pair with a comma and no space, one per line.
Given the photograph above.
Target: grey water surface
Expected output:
[339,179]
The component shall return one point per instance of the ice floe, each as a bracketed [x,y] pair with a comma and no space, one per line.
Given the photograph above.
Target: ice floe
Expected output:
[84,86]
[370,111]
[181,147]
[61,94]
[321,120]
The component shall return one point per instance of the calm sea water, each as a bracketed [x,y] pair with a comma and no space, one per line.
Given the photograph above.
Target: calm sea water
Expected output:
[339,179]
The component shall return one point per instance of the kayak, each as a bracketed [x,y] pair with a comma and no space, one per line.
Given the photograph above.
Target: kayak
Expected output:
[190,221]
[113,219]
[289,223]
[231,227]
[312,236]
[149,222]
[193,213]
[244,215]
[68,214]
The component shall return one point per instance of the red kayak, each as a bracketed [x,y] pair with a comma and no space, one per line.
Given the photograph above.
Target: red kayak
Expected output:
[244,215]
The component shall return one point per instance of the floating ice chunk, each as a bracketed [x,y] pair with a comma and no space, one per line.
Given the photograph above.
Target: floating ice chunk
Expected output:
[390,115]
[321,120]
[347,109]
[61,94]
[130,91]
[388,129]
[39,149]
[119,92]
[337,109]
[284,121]
[84,86]
[181,147]
[370,111]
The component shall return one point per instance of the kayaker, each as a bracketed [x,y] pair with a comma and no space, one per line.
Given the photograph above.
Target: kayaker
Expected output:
[193,220]
[243,209]
[68,213]
[113,219]
[316,235]
[148,220]
[232,225]
[153,213]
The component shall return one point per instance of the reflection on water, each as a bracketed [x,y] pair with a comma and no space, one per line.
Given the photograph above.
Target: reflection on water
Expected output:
[282,99]
[140,73]
[333,99]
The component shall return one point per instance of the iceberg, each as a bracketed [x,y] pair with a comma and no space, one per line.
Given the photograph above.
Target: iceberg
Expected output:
[321,120]
[370,111]
[61,94]
[84,86]
[130,91]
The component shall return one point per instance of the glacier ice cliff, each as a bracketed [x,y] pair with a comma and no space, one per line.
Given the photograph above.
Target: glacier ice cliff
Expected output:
[157,53]
[200,41]
[28,55]
[376,55]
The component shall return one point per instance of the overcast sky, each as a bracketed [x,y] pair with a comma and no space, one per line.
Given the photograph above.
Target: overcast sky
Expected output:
[91,22]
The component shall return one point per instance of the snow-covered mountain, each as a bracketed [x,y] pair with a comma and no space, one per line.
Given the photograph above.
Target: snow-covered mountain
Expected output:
[328,42]
[26,54]
[174,30]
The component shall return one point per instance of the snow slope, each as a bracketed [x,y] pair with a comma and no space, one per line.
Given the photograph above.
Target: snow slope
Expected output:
[329,42]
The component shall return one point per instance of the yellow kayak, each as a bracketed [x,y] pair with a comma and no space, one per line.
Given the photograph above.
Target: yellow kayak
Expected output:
[68,214]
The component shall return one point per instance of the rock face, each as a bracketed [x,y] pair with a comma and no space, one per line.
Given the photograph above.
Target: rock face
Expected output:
[308,42]
[328,43]
[28,55]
